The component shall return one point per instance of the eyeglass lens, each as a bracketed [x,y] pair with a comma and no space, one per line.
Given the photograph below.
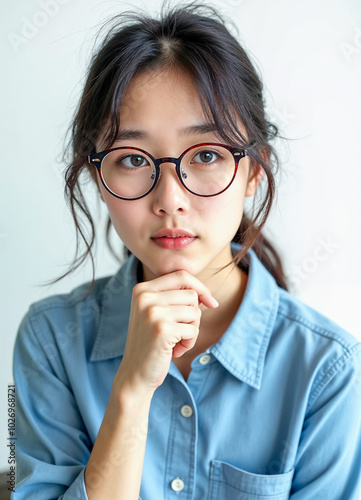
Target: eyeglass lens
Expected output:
[205,170]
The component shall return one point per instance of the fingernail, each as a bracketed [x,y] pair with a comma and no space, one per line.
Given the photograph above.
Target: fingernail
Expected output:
[214,302]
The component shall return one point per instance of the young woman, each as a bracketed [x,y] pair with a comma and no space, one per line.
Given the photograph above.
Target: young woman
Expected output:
[192,372]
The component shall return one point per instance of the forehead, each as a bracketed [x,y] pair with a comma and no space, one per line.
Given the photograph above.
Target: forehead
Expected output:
[164,106]
[157,104]
[161,95]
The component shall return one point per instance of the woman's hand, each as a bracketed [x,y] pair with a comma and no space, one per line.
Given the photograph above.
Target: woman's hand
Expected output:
[164,322]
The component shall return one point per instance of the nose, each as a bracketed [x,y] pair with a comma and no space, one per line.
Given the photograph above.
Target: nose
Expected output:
[169,195]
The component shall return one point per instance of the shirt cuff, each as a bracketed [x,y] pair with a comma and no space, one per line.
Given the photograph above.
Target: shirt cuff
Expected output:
[76,490]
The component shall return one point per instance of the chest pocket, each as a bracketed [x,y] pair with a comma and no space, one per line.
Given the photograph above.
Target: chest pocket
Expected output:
[228,482]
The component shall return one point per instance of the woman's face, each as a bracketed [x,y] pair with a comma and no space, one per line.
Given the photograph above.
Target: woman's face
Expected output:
[155,111]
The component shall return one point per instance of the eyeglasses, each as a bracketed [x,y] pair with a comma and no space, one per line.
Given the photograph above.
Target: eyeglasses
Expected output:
[130,173]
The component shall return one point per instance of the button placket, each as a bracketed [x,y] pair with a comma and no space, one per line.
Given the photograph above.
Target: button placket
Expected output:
[180,474]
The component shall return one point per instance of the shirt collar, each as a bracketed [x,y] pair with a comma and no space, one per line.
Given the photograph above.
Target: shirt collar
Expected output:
[242,348]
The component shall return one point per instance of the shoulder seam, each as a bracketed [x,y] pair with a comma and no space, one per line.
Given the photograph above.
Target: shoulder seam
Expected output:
[57,302]
[38,336]
[33,319]
[332,371]
[317,329]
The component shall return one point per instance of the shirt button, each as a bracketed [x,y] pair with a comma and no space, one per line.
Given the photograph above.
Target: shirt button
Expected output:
[204,359]
[177,484]
[186,411]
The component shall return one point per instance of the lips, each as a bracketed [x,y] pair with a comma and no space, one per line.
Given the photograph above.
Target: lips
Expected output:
[173,233]
[173,239]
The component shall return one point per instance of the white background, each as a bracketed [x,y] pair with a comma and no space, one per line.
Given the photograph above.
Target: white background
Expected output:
[309,54]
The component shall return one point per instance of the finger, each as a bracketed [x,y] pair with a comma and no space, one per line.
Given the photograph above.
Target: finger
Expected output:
[176,314]
[181,280]
[182,347]
[148,298]
[186,297]
[181,332]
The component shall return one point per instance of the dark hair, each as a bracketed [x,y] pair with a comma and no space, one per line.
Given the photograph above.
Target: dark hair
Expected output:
[195,39]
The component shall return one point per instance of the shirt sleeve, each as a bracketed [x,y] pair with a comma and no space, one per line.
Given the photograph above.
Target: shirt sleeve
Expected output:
[328,461]
[52,445]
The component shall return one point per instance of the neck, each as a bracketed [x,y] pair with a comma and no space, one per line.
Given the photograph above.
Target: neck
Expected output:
[228,287]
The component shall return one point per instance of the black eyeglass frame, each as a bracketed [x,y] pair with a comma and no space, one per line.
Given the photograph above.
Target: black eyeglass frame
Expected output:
[96,160]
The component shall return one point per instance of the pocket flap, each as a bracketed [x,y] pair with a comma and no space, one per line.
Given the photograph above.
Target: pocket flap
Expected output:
[256,484]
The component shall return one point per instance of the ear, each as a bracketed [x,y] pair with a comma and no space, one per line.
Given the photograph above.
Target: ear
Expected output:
[255,176]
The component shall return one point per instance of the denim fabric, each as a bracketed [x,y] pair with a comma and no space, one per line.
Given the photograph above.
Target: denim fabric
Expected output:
[270,411]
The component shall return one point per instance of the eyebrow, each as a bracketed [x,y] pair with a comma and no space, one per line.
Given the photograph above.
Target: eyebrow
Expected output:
[202,128]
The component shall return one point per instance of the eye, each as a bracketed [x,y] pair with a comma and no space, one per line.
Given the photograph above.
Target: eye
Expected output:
[206,156]
[132,161]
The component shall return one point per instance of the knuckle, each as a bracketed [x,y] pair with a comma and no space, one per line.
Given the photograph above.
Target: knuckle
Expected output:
[182,274]
[137,290]
[151,314]
[193,295]
[196,332]
[143,299]
[160,328]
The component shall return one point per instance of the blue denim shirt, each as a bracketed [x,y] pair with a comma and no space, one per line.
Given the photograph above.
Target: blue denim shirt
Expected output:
[270,411]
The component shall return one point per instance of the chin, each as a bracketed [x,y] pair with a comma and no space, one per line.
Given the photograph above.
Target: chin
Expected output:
[171,265]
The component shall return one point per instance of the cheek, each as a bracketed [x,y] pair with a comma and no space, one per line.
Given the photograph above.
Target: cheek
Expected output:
[220,218]
[226,208]
[125,216]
